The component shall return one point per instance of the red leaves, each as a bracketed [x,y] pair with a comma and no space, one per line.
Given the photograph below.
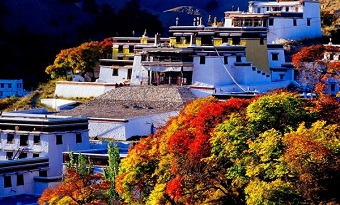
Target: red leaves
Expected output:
[308,54]
[174,188]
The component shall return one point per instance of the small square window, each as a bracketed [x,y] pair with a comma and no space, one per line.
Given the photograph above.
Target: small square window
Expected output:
[23,140]
[43,173]
[9,85]
[115,72]
[7,181]
[35,155]
[36,139]
[10,138]
[9,155]
[275,56]
[20,179]
[238,59]
[59,139]
[78,138]
[332,87]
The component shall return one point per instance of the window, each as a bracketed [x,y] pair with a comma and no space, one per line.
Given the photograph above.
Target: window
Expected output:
[59,139]
[225,59]
[115,72]
[202,59]
[43,173]
[23,155]
[294,22]
[261,41]
[36,139]
[238,59]
[9,155]
[131,49]
[7,181]
[275,56]
[2,85]
[78,138]
[20,179]
[9,85]
[271,22]
[120,48]
[308,22]
[35,155]
[23,140]
[332,87]
[10,138]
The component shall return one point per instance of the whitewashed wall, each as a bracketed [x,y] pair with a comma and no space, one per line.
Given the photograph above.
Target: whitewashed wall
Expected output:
[68,89]
[69,144]
[105,75]
[124,129]
[27,188]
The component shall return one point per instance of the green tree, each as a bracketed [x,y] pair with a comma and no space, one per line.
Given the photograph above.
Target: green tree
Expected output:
[111,172]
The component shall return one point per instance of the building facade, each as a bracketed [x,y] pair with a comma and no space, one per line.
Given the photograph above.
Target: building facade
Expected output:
[285,20]
[9,88]
[31,150]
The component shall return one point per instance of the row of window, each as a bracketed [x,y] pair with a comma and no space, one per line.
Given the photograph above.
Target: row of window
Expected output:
[59,139]
[20,179]
[271,22]
[9,85]
[225,59]
[36,139]
[10,155]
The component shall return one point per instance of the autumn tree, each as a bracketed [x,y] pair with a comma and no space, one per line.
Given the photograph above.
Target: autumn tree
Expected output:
[281,111]
[262,151]
[79,185]
[312,154]
[79,59]
[316,66]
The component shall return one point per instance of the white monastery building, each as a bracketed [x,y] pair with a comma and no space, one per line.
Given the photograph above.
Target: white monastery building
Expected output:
[285,20]
[31,150]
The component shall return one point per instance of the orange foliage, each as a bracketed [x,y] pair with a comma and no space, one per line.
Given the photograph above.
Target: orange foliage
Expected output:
[89,189]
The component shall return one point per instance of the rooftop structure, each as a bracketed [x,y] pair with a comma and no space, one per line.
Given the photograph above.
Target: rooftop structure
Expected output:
[130,111]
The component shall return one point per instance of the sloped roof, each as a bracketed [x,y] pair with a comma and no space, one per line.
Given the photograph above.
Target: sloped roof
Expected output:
[134,101]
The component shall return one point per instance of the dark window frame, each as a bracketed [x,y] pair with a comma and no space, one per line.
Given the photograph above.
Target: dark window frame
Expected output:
[20,180]
[114,72]
[42,173]
[10,138]
[7,181]
[79,138]
[202,60]
[23,140]
[275,56]
[225,60]
[36,139]
[59,139]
